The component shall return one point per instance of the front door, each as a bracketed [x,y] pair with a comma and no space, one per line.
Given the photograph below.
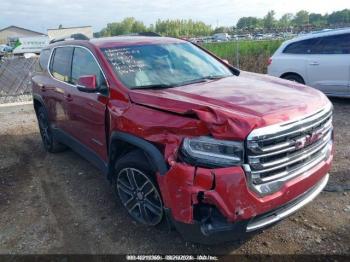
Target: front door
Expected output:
[86,118]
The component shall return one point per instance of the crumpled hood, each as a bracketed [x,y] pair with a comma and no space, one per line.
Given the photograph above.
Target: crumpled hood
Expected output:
[233,106]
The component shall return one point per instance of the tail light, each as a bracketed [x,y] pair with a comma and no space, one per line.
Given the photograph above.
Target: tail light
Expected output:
[269,62]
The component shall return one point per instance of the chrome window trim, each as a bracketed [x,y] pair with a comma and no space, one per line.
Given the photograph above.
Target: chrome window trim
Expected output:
[74,46]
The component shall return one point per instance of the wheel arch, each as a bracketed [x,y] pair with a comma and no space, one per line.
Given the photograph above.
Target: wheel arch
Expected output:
[293,73]
[38,102]
[122,143]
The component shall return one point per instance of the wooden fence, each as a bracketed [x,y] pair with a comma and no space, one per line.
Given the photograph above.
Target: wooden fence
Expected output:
[15,78]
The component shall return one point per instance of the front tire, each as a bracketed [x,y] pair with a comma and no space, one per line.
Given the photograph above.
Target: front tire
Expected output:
[135,186]
[294,78]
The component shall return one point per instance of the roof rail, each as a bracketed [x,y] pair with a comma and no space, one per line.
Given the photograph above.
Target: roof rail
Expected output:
[71,37]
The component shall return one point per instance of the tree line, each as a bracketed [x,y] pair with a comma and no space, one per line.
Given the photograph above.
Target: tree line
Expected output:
[176,28]
[189,28]
[301,19]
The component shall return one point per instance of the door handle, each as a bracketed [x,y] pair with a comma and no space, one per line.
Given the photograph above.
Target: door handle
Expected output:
[315,63]
[69,97]
[42,87]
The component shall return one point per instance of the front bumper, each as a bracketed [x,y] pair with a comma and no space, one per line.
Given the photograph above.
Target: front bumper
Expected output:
[216,230]
[233,209]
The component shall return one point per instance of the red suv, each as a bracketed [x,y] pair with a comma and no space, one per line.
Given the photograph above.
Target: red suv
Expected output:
[183,135]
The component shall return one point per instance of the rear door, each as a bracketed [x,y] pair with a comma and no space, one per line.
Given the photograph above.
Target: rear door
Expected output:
[328,65]
[56,89]
[86,118]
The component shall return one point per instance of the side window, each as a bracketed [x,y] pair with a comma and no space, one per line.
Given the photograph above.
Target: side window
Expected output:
[336,44]
[301,47]
[44,59]
[61,63]
[84,63]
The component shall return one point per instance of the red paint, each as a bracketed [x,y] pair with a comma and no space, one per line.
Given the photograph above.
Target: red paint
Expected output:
[229,108]
[88,82]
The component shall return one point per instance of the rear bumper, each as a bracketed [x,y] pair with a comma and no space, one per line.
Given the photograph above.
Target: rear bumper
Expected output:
[215,229]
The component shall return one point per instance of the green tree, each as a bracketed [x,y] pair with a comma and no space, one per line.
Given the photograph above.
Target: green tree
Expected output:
[269,20]
[301,18]
[317,19]
[182,28]
[126,26]
[285,21]
[339,17]
[248,23]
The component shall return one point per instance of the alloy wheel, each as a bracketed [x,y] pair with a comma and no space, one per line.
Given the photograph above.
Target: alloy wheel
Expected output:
[139,196]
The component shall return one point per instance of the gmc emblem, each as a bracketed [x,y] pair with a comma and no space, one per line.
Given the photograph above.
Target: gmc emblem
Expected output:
[307,140]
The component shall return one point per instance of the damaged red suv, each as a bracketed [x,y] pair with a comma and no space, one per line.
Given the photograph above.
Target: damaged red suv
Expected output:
[183,136]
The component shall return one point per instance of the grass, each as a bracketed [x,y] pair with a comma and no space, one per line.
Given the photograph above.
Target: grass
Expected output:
[252,55]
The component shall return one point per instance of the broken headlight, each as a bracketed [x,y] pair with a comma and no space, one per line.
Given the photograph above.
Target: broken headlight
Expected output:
[209,152]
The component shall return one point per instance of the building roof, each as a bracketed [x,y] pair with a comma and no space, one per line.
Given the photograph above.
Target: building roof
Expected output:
[13,26]
[69,27]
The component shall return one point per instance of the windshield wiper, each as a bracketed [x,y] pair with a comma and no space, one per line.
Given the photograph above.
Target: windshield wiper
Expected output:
[215,77]
[156,86]
[200,80]
[195,81]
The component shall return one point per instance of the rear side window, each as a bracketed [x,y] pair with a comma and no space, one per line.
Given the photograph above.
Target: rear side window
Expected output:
[44,58]
[83,64]
[301,47]
[61,63]
[336,44]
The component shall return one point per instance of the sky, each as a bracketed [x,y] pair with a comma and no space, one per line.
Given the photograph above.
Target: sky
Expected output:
[39,15]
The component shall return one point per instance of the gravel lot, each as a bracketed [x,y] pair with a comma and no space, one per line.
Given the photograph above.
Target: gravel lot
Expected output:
[62,204]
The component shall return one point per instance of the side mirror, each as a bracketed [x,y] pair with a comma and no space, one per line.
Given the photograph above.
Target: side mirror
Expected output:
[225,61]
[87,84]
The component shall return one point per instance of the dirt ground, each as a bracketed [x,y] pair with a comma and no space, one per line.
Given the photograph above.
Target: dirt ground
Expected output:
[59,203]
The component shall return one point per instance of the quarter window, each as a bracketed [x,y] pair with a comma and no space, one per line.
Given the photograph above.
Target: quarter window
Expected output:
[301,47]
[44,58]
[61,63]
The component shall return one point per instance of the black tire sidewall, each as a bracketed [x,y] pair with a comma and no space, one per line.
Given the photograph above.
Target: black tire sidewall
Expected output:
[294,78]
[42,114]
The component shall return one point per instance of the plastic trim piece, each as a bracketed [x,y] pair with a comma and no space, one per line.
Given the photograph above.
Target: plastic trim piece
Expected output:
[152,152]
[280,214]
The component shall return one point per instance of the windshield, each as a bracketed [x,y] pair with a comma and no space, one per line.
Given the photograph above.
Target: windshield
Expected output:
[164,65]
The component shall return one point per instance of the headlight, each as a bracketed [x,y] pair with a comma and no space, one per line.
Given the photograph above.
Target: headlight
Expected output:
[207,151]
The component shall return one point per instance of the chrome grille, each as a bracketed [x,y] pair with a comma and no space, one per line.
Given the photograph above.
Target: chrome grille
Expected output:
[278,153]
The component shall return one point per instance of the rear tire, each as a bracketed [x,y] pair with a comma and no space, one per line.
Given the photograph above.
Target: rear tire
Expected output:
[50,143]
[135,185]
[294,78]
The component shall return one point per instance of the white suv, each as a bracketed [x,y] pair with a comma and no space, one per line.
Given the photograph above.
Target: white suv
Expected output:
[320,60]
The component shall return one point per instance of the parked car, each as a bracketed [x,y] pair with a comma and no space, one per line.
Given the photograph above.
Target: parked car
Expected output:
[221,37]
[183,135]
[320,60]
[5,49]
